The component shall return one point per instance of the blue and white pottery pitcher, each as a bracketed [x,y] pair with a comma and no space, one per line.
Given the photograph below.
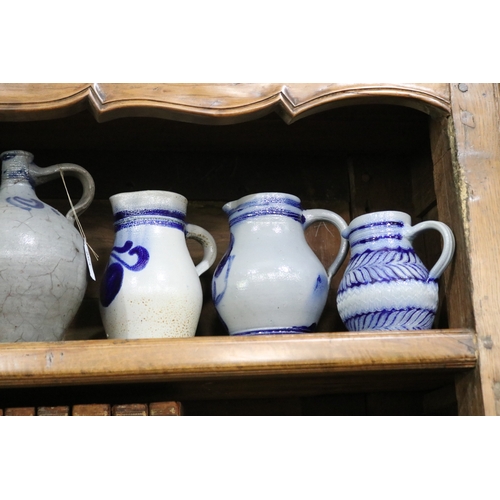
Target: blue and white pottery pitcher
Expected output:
[151,287]
[43,271]
[385,285]
[269,280]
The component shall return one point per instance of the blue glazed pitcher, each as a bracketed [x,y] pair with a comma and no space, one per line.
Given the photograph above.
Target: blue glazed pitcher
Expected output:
[269,280]
[385,285]
[151,287]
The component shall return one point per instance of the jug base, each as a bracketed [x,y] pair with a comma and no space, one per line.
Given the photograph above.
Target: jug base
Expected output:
[276,331]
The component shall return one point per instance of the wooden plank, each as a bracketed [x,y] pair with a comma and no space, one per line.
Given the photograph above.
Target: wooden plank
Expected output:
[476,170]
[26,101]
[20,412]
[130,410]
[208,103]
[52,411]
[456,282]
[231,103]
[91,410]
[166,409]
[206,358]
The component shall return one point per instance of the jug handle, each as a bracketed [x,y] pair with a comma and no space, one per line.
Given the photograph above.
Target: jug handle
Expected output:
[317,215]
[448,244]
[207,241]
[42,175]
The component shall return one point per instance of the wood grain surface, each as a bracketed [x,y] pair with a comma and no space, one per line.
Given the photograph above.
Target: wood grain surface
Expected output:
[206,358]
[209,103]
[357,169]
[476,153]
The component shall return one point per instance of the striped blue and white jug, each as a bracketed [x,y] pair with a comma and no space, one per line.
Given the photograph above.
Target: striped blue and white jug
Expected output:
[151,287]
[269,280]
[385,285]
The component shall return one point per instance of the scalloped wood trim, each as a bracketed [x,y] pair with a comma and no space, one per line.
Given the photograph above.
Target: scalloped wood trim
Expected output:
[210,103]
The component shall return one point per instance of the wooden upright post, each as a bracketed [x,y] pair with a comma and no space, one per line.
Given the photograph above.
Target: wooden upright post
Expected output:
[475,150]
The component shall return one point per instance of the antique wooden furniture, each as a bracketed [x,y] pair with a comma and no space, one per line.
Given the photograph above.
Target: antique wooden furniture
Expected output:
[432,150]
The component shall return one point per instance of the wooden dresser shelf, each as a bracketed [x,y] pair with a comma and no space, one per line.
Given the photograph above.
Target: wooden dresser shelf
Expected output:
[431,150]
[237,358]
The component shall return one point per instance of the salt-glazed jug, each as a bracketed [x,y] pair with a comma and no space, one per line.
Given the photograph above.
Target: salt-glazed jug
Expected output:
[43,270]
[385,285]
[151,287]
[269,280]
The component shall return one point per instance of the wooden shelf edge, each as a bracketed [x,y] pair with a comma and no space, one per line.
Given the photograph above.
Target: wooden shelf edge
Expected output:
[212,358]
[223,103]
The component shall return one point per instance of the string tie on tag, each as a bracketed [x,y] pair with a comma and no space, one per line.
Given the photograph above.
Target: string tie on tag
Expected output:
[86,246]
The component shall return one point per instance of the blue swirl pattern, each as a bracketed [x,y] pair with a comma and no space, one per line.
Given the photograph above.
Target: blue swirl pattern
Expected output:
[113,277]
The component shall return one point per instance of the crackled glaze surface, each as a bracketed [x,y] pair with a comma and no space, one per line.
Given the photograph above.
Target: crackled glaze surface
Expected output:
[386,286]
[151,287]
[269,280]
[42,262]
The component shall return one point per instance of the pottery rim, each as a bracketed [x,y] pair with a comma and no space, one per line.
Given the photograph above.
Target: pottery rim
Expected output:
[231,205]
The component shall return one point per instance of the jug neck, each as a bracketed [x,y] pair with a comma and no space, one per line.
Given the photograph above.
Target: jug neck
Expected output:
[378,231]
[148,217]
[15,167]
[150,208]
[262,205]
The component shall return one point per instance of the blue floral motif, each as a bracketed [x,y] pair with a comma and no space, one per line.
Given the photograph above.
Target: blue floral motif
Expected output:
[226,263]
[113,277]
[25,203]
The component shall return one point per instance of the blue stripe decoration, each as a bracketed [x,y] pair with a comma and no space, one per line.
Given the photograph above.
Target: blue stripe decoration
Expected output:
[154,212]
[376,224]
[21,173]
[268,200]
[278,331]
[409,318]
[236,219]
[141,221]
[377,238]
[384,266]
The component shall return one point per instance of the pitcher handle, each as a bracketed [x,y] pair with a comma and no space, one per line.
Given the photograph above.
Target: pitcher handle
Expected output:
[207,241]
[319,214]
[448,244]
[42,175]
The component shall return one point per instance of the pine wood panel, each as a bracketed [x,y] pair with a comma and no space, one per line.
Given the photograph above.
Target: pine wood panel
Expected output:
[166,409]
[456,282]
[130,410]
[20,412]
[476,150]
[53,411]
[91,410]
[466,178]
[208,103]
[157,409]
[206,358]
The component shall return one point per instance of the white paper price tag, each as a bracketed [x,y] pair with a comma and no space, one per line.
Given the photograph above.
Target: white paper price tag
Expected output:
[87,256]
[86,246]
